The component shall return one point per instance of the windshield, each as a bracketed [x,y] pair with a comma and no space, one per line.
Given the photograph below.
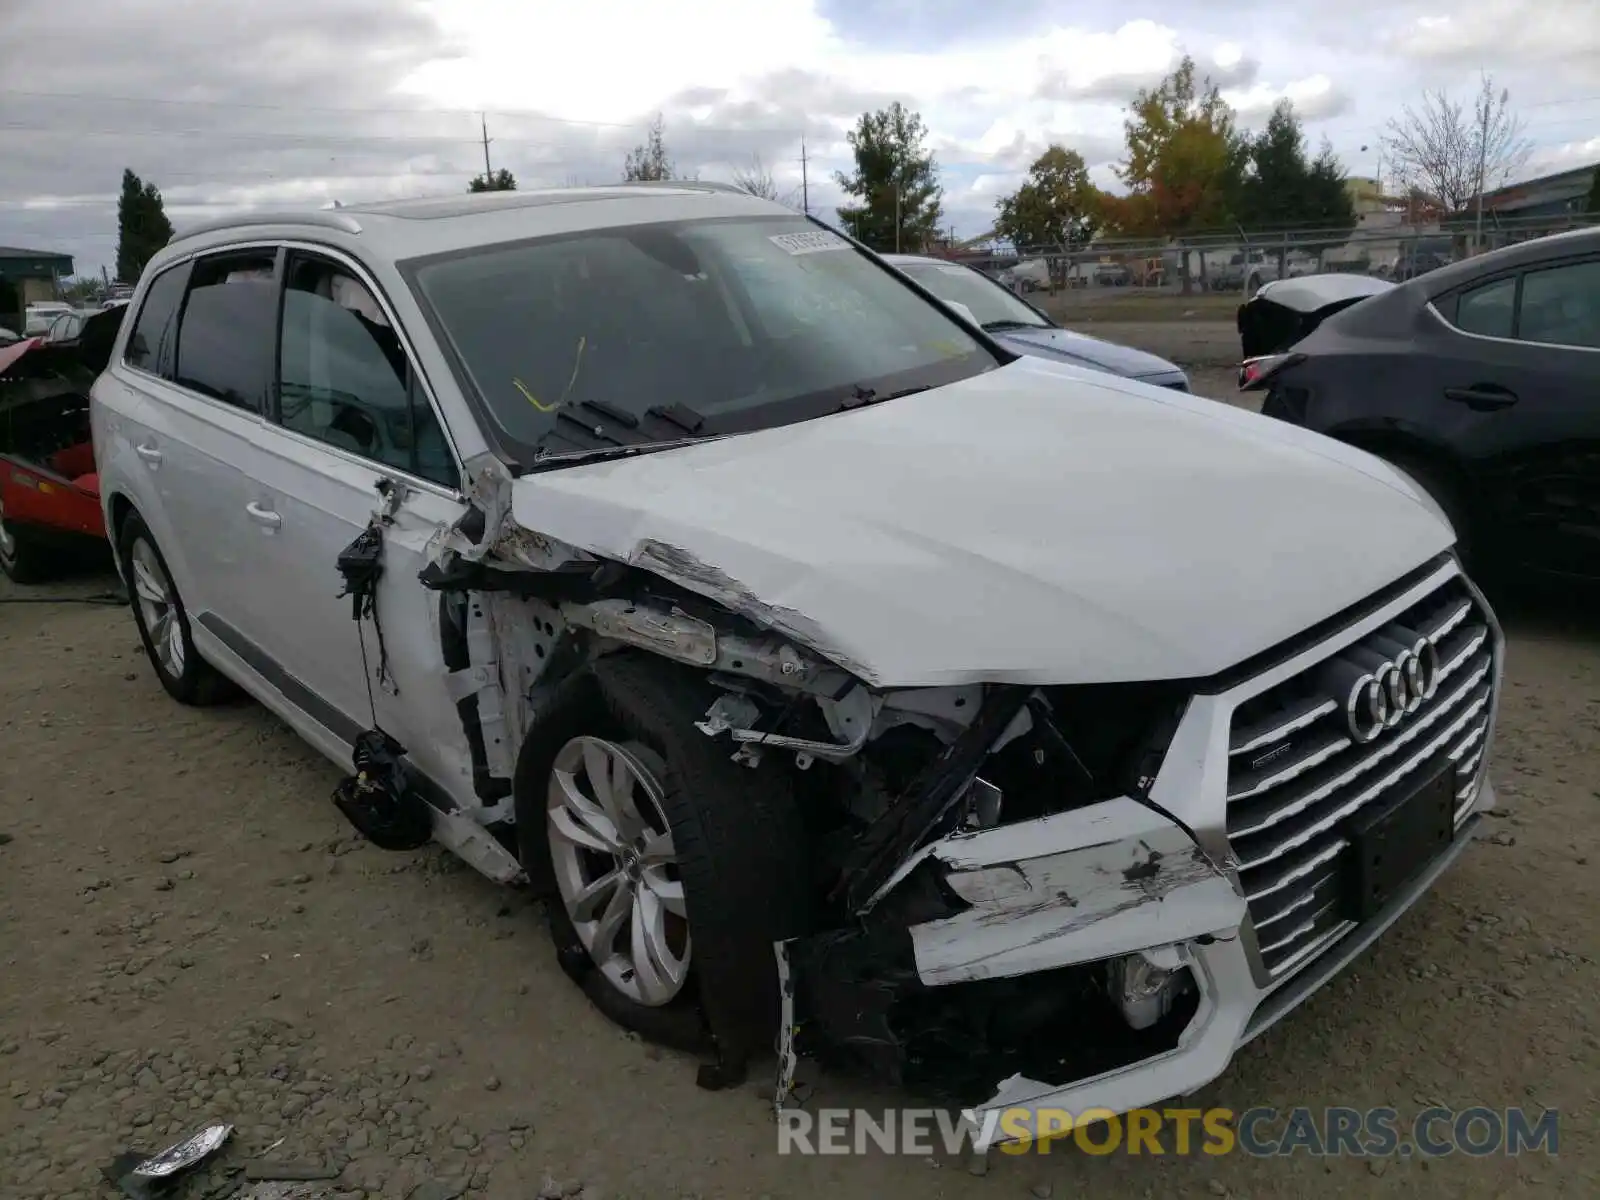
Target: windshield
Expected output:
[988,301]
[657,332]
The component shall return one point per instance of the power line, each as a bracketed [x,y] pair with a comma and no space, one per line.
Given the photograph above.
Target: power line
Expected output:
[419,110]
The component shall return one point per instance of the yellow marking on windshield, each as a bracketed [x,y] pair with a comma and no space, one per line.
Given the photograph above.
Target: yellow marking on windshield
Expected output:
[523,388]
[583,342]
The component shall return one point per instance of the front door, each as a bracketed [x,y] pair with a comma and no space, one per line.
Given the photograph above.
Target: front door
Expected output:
[353,435]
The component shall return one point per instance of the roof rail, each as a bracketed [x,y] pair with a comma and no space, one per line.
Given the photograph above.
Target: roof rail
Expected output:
[326,218]
[704,185]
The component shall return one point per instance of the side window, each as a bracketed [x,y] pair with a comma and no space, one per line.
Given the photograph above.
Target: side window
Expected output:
[151,344]
[1561,305]
[227,331]
[343,377]
[1488,309]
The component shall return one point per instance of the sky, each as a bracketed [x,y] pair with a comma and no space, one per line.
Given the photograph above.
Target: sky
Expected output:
[300,102]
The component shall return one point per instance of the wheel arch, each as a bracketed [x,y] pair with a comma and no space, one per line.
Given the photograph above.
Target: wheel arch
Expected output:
[118,506]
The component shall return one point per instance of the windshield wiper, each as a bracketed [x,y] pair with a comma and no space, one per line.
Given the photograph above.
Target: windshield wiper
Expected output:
[1003,326]
[618,429]
[860,396]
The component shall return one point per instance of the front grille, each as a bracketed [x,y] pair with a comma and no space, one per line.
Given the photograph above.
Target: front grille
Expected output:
[1297,771]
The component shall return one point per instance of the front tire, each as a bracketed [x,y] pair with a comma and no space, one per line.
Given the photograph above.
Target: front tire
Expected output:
[163,621]
[714,853]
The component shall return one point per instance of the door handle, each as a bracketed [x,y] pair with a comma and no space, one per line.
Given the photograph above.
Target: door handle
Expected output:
[1483,397]
[149,453]
[263,516]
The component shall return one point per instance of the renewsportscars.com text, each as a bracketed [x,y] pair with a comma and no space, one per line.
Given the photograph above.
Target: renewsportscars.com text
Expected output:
[1330,1131]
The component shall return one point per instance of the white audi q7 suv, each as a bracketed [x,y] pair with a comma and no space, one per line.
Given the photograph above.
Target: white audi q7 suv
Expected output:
[845,681]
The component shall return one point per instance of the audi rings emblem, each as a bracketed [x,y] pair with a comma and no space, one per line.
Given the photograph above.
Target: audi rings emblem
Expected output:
[1385,693]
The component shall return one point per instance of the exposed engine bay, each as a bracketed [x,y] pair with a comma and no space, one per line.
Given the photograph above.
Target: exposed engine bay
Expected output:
[890,959]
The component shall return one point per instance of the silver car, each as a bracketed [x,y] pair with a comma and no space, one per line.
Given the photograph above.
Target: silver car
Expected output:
[841,677]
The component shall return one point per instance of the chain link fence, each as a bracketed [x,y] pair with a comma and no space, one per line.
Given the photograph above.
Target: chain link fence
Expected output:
[1238,262]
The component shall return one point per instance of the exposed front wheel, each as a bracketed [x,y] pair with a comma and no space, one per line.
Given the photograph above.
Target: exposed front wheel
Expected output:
[163,622]
[616,867]
[668,870]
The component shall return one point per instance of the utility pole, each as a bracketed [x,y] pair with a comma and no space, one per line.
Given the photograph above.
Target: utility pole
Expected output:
[897,175]
[488,175]
[1483,162]
[805,180]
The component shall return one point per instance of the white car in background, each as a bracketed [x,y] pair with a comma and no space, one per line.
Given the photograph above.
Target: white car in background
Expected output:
[839,676]
[41,315]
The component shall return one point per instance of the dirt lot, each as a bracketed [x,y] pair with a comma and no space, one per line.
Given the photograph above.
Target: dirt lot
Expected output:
[187,932]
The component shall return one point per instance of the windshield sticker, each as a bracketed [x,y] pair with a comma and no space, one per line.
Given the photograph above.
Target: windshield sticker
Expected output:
[813,242]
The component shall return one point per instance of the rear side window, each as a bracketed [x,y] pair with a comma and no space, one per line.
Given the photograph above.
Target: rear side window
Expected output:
[228,333]
[1561,305]
[1488,310]
[151,345]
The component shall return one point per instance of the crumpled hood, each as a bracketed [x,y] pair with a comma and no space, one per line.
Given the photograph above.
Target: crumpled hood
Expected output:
[1031,524]
[1089,351]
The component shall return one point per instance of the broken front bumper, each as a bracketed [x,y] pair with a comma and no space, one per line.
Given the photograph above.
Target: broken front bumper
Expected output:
[1232,874]
[1199,915]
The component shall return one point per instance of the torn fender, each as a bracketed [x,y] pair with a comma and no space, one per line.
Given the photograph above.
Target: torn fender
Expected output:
[1098,882]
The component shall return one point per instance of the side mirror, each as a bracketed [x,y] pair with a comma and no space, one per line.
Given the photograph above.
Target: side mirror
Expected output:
[962,311]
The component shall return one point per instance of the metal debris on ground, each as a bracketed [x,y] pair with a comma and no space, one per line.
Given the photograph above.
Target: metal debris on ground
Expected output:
[139,1174]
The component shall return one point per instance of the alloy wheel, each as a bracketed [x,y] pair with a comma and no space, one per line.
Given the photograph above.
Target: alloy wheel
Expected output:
[155,595]
[616,867]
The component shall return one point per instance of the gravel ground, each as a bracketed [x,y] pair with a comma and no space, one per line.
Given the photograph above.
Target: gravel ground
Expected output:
[188,932]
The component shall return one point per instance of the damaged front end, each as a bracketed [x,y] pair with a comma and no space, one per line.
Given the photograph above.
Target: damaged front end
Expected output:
[997,894]
[1018,895]
[1044,923]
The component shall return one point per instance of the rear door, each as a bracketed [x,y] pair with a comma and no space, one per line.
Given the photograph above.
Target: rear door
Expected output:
[352,434]
[196,373]
[1521,374]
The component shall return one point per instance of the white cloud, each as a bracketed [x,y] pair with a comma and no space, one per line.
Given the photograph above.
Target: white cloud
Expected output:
[309,100]
[1566,156]
[1315,98]
[1563,37]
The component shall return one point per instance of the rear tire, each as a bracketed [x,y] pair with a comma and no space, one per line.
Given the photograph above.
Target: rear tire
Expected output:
[22,560]
[738,848]
[163,622]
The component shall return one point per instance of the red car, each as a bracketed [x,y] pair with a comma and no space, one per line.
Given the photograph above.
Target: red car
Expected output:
[49,491]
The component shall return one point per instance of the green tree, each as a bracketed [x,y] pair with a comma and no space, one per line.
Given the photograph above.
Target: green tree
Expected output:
[1056,205]
[501,181]
[1328,205]
[1282,189]
[895,185]
[1593,205]
[1185,159]
[648,161]
[142,226]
